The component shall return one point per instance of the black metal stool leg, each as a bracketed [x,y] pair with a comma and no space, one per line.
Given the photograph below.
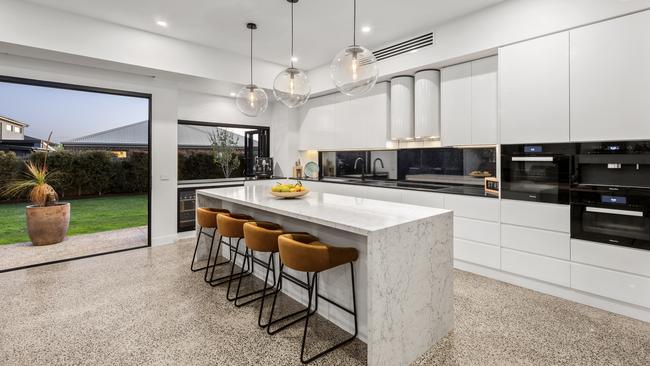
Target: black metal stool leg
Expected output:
[227,278]
[208,266]
[353,312]
[198,238]
[263,290]
[271,321]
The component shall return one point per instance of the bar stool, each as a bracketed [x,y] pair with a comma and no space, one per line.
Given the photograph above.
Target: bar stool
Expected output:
[231,226]
[259,236]
[206,218]
[304,253]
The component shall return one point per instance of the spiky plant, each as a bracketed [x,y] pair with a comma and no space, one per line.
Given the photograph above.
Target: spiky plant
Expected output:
[37,182]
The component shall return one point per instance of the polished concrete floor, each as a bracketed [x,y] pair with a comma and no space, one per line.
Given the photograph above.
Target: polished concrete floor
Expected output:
[25,254]
[144,307]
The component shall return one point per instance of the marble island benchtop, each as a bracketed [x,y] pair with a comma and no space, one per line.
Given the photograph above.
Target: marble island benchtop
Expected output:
[358,215]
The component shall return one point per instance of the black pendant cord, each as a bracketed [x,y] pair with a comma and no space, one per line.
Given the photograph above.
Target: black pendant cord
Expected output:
[251,56]
[292,35]
[354,25]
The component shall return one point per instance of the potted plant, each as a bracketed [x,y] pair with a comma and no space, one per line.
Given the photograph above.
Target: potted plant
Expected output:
[47,219]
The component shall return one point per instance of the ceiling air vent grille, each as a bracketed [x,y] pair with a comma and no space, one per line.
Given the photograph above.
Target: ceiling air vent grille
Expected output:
[405,46]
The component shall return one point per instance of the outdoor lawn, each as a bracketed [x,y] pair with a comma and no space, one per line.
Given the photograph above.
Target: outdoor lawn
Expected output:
[87,215]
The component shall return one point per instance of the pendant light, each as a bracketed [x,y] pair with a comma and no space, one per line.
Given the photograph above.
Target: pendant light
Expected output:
[251,100]
[354,70]
[291,86]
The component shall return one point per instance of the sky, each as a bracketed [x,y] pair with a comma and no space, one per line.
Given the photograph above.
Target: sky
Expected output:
[68,113]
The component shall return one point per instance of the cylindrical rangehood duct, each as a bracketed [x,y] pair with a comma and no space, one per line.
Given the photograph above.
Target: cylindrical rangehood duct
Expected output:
[401,108]
[427,104]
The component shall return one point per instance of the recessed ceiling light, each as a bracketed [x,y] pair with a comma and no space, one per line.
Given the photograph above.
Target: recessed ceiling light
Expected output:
[162,23]
[294,59]
[366,29]
[233,94]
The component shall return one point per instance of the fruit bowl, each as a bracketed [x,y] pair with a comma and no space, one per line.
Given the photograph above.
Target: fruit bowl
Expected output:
[290,194]
[288,190]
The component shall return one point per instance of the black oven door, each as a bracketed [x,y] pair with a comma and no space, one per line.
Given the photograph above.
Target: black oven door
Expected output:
[541,178]
[612,224]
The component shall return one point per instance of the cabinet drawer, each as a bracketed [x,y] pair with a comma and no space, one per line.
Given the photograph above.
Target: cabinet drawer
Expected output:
[615,285]
[537,215]
[550,243]
[536,266]
[473,207]
[473,252]
[630,260]
[476,230]
[427,199]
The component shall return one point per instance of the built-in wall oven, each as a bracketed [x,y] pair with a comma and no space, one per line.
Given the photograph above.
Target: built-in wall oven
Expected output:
[537,172]
[610,193]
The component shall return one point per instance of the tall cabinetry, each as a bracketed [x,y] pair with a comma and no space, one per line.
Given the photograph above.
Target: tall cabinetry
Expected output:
[468,103]
[610,80]
[534,90]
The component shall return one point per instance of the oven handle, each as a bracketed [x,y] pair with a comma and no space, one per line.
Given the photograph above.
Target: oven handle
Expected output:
[532,158]
[614,211]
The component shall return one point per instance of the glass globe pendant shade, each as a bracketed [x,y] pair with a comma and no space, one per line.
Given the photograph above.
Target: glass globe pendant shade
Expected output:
[251,100]
[354,70]
[291,87]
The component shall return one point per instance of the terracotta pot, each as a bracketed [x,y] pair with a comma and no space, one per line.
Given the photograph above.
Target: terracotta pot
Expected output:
[49,224]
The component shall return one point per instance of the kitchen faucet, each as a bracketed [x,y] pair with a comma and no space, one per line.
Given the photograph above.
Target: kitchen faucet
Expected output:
[374,165]
[363,171]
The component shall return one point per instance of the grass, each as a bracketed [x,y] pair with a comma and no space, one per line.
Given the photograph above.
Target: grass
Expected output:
[87,215]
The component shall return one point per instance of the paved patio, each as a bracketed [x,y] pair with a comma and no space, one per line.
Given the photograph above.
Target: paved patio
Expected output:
[25,254]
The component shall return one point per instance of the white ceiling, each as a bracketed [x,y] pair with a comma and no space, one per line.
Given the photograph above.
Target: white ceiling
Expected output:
[322,27]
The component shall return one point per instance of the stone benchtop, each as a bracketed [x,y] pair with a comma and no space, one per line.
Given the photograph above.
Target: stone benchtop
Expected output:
[358,215]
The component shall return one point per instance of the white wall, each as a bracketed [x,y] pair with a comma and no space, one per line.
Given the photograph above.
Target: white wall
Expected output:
[481,33]
[203,107]
[164,117]
[53,31]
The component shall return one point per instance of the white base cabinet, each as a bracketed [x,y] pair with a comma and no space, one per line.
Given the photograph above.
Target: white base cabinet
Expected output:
[616,285]
[536,266]
[528,243]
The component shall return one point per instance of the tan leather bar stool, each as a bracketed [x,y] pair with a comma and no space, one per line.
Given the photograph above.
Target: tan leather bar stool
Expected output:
[231,226]
[303,252]
[259,236]
[206,218]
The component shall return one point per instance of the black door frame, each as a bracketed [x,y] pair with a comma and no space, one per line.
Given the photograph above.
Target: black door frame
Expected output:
[94,89]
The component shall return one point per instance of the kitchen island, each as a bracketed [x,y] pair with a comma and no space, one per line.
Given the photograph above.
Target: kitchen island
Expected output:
[404,278]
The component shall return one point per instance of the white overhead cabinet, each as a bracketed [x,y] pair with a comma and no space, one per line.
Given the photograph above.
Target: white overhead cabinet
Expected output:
[610,80]
[402,108]
[468,103]
[427,104]
[336,121]
[534,90]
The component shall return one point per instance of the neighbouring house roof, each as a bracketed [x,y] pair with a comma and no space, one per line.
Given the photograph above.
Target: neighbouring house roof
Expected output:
[137,135]
[28,144]
[9,120]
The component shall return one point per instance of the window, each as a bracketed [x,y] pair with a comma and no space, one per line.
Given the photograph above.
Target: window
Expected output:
[208,151]
[17,129]
[119,154]
[8,127]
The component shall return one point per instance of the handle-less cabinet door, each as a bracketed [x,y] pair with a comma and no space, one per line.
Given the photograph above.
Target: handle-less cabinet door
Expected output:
[610,80]
[401,108]
[534,90]
[427,104]
[484,101]
[456,105]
